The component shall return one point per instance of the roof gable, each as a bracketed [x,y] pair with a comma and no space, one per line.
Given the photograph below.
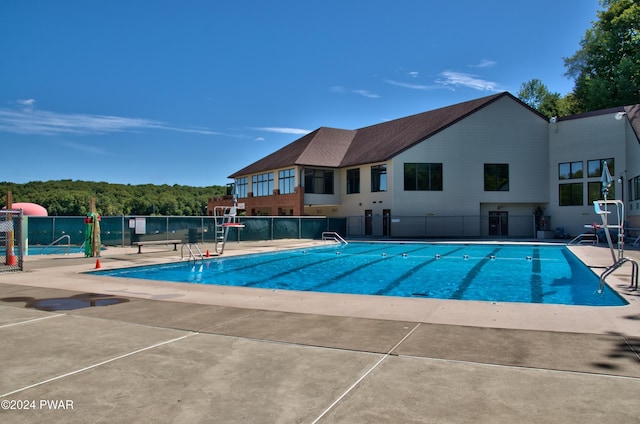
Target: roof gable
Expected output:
[335,148]
[382,141]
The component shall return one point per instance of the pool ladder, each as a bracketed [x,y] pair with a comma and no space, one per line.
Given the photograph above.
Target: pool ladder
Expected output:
[332,235]
[65,236]
[195,253]
[616,265]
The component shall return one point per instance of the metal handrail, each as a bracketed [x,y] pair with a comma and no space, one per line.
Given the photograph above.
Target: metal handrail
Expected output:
[192,255]
[332,235]
[618,264]
[65,236]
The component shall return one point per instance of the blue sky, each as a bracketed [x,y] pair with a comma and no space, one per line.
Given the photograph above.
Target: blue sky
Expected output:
[188,92]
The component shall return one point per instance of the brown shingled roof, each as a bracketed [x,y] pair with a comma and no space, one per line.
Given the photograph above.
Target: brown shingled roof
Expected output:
[335,148]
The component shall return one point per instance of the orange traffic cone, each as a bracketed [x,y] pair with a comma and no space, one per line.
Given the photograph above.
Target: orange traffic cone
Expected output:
[207,254]
[98,264]
[11,260]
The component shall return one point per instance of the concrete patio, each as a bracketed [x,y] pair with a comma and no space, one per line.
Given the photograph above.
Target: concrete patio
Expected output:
[141,351]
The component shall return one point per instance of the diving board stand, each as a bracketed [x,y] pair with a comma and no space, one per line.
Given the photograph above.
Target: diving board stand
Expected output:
[225,218]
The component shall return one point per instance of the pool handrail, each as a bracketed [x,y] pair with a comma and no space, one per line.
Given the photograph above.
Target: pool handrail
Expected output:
[332,235]
[64,236]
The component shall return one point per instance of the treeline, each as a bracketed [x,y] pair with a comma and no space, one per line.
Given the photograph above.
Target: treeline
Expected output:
[73,198]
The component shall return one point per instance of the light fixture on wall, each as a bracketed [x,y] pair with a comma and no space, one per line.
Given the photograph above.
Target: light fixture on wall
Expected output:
[620,115]
[553,119]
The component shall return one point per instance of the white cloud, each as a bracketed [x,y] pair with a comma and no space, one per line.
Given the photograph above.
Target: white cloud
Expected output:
[283,130]
[484,63]
[29,121]
[365,93]
[450,78]
[84,148]
[411,86]
[342,90]
[413,74]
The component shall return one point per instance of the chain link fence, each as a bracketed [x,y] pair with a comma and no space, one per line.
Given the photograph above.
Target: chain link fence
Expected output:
[11,226]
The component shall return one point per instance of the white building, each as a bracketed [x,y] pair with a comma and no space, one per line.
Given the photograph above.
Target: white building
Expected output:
[478,168]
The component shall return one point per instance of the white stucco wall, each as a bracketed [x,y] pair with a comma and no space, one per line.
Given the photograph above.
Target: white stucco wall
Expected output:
[589,138]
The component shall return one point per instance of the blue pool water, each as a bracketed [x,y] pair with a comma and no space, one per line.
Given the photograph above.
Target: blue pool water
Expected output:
[499,273]
[54,250]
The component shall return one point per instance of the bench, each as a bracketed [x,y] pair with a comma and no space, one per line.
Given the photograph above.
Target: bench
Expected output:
[155,242]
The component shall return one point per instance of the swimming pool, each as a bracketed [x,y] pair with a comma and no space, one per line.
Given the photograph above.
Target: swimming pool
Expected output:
[57,249]
[497,273]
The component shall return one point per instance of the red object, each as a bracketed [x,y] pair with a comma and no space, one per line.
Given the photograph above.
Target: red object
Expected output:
[98,264]
[207,254]
[11,260]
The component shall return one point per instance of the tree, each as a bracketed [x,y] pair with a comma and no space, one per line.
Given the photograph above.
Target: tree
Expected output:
[606,69]
[537,95]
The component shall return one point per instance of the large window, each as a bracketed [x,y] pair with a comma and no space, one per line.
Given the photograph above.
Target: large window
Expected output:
[594,190]
[423,177]
[595,167]
[262,184]
[242,187]
[378,178]
[353,181]
[570,170]
[571,194]
[286,181]
[634,188]
[318,181]
[496,177]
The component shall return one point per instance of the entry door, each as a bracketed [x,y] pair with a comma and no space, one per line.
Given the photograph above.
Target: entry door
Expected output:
[386,222]
[498,223]
[368,224]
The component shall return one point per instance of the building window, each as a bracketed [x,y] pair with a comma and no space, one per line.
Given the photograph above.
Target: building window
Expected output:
[287,181]
[242,187]
[595,167]
[571,194]
[595,192]
[423,177]
[634,188]
[318,181]
[353,181]
[262,184]
[570,170]
[378,178]
[496,177]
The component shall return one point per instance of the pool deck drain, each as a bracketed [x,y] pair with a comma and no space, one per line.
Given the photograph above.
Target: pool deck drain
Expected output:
[179,353]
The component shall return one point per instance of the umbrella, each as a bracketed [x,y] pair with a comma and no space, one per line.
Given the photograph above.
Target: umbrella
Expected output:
[606,179]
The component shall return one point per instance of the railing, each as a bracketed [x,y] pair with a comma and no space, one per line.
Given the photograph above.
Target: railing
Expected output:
[192,254]
[66,236]
[332,235]
[618,264]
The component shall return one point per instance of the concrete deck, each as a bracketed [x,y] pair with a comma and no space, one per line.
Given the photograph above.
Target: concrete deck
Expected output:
[141,351]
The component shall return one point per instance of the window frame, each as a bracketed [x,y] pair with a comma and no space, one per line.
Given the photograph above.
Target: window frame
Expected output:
[431,173]
[353,181]
[379,178]
[495,171]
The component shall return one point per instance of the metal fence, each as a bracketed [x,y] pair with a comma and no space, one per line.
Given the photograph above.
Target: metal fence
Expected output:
[461,226]
[11,227]
[123,230]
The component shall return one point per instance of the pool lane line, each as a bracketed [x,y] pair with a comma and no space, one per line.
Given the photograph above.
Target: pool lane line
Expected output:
[537,295]
[31,320]
[49,380]
[472,274]
[369,371]
[301,267]
[403,277]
